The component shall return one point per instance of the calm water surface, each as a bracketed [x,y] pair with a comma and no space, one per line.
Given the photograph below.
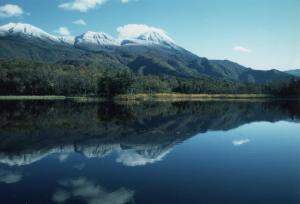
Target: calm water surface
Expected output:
[187,152]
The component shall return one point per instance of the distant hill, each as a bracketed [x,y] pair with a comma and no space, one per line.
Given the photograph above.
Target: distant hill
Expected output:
[151,53]
[295,72]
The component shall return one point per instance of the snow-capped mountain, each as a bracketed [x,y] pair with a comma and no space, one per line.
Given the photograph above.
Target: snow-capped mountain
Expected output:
[27,31]
[92,41]
[151,38]
[68,40]
[139,52]
[95,41]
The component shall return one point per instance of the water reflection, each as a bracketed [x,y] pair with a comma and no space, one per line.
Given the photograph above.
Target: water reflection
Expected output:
[195,152]
[240,142]
[9,177]
[90,193]
[143,157]
[140,133]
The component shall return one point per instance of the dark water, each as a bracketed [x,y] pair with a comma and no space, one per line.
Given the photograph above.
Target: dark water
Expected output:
[196,152]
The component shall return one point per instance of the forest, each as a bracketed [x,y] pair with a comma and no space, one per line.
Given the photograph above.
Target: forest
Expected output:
[19,77]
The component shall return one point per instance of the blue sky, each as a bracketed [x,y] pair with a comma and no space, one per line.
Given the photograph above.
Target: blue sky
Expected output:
[262,34]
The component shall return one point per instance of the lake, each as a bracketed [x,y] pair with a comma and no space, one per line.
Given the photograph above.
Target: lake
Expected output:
[211,152]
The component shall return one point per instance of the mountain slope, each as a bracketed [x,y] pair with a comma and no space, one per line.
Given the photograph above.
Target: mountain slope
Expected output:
[295,72]
[26,31]
[149,53]
[93,41]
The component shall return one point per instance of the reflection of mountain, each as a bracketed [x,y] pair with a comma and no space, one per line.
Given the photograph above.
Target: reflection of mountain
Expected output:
[143,133]
[10,177]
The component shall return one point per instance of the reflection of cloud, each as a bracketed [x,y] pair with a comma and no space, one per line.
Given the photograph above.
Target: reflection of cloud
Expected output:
[240,142]
[9,177]
[90,193]
[79,166]
[63,157]
[132,158]
[60,196]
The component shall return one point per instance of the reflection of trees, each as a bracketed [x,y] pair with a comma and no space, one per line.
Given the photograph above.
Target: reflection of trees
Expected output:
[34,115]
[32,130]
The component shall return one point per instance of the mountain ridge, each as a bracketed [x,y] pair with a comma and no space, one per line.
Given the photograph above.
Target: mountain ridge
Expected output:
[295,72]
[150,53]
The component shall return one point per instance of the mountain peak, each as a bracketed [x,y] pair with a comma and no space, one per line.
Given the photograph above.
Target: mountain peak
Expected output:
[25,30]
[151,38]
[95,41]
[154,36]
[90,40]
[67,40]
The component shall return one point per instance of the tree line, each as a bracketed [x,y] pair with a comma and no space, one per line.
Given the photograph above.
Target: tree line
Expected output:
[18,77]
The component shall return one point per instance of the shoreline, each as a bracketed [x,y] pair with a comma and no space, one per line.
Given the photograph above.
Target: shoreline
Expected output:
[190,97]
[50,98]
[149,97]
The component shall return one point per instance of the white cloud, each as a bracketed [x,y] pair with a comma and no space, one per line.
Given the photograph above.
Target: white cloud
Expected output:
[240,142]
[135,30]
[63,31]
[127,1]
[242,49]
[9,177]
[10,10]
[90,193]
[81,5]
[80,22]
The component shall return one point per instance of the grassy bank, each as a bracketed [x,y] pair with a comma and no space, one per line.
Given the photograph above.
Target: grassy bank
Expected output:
[53,98]
[148,97]
[190,97]
[32,97]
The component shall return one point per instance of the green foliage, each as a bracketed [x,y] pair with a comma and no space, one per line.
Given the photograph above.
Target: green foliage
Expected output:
[288,89]
[144,60]
[28,78]
[111,84]
[19,77]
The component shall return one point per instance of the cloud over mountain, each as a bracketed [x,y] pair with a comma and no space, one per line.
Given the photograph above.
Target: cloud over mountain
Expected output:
[80,22]
[64,31]
[135,30]
[10,10]
[242,49]
[81,5]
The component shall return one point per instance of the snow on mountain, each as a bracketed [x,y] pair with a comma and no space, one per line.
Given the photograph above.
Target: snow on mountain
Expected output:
[95,41]
[155,37]
[26,30]
[68,40]
[151,38]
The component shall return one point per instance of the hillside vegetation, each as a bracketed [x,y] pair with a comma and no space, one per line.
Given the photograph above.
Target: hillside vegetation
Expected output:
[18,77]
